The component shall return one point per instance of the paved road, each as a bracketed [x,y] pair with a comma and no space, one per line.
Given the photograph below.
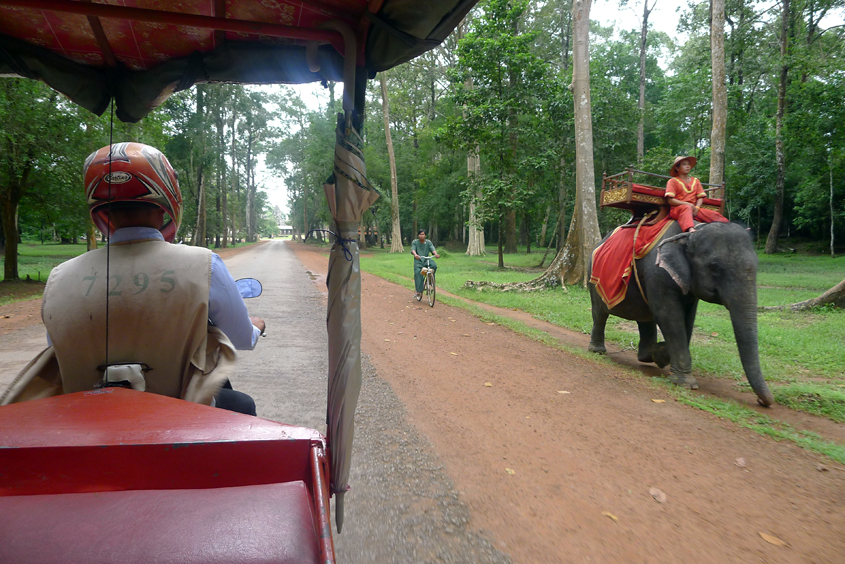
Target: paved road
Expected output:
[403,508]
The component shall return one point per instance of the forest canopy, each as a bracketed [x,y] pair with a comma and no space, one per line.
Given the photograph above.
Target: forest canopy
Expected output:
[481,133]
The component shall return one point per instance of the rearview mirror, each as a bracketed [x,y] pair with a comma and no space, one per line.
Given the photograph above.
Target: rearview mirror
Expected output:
[249,287]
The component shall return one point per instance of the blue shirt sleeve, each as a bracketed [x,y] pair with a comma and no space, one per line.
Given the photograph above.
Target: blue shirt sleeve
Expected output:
[226,308]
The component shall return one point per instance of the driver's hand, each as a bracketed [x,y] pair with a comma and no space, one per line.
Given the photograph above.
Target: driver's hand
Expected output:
[436,255]
[258,322]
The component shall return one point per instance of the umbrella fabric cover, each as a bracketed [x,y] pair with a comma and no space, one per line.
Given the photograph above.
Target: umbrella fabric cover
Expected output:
[349,197]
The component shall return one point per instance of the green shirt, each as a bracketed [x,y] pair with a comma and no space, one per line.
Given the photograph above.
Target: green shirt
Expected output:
[423,249]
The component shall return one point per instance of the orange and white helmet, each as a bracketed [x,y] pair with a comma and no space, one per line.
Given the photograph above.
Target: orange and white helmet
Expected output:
[132,172]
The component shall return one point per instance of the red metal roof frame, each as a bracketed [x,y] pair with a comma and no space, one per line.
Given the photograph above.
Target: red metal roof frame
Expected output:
[140,51]
[177,18]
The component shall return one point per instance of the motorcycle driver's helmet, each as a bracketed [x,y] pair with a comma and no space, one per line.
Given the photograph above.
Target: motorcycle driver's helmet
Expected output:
[132,173]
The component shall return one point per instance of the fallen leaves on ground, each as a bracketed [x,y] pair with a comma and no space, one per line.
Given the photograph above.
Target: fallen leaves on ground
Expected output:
[740,462]
[563,392]
[488,384]
[772,539]
[658,495]
[611,515]
[512,472]
[454,354]
[658,401]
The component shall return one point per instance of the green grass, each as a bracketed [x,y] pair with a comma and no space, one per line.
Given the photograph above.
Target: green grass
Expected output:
[794,347]
[763,424]
[813,398]
[36,260]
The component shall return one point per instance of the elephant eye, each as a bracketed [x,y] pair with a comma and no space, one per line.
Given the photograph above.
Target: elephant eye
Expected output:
[715,267]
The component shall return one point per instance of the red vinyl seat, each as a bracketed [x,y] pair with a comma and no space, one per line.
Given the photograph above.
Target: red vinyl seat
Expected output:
[258,524]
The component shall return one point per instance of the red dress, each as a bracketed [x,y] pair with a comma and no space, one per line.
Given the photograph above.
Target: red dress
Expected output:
[676,188]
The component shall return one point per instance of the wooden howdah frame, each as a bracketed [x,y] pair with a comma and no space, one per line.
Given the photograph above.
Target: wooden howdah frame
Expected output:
[620,191]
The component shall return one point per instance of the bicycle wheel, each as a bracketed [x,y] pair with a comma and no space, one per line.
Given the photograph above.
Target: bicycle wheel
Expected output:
[431,288]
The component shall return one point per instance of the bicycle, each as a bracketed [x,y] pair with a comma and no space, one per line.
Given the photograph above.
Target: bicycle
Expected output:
[429,287]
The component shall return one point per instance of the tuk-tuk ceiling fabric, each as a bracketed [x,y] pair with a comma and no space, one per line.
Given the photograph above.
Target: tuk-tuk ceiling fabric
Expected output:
[156,59]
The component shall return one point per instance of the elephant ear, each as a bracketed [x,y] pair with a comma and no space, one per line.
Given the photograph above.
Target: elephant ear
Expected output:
[672,257]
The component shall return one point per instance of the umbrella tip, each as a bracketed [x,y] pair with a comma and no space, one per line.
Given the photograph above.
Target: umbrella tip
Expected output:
[338,511]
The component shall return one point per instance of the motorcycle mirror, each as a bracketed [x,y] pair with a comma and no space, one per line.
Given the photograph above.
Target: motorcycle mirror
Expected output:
[249,287]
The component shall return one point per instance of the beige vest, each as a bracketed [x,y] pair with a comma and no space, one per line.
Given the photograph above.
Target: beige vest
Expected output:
[157,314]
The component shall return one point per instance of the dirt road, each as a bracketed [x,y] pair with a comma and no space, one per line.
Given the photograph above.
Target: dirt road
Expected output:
[467,449]
[566,477]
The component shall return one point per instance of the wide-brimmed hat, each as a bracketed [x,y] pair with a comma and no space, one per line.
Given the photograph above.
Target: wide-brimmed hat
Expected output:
[674,171]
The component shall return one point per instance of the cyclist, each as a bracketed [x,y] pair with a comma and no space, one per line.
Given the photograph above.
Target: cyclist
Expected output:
[422,248]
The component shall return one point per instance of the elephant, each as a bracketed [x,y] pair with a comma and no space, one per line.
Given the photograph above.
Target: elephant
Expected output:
[716,263]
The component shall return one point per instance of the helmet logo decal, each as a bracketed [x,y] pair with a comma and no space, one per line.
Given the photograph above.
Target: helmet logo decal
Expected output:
[119,177]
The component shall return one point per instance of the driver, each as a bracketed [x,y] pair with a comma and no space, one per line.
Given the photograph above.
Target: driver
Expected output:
[141,300]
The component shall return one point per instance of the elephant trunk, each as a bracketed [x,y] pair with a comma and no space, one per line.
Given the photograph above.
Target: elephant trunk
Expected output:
[744,321]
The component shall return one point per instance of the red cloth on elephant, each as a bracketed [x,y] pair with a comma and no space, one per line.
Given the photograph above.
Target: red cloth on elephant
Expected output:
[690,193]
[612,259]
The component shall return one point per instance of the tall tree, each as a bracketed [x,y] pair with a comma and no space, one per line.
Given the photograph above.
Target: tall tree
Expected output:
[720,93]
[396,230]
[641,99]
[780,155]
[200,233]
[496,113]
[584,232]
[37,137]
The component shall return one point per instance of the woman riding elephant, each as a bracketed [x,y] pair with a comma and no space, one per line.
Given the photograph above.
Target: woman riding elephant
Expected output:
[715,263]
[685,196]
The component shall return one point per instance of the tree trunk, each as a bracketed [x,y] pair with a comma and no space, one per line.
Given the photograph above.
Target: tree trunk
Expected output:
[561,198]
[720,94]
[250,199]
[641,101]
[234,171]
[10,197]
[199,237]
[832,214]
[584,232]
[396,245]
[835,297]
[542,241]
[476,245]
[780,158]
[510,231]
[224,208]
[500,241]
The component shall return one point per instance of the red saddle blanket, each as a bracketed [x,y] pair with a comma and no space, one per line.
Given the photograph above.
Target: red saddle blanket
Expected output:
[612,260]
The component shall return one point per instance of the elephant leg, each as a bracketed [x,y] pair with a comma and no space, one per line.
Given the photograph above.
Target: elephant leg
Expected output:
[690,321]
[648,338]
[677,343]
[599,322]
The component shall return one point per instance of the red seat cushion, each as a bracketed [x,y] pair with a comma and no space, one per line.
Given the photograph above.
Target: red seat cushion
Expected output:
[250,524]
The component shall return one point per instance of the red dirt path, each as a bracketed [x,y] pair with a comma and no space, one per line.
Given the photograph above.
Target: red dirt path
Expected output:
[565,477]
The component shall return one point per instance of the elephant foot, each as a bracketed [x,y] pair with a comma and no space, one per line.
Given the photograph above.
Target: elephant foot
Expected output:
[645,357]
[598,349]
[659,355]
[684,380]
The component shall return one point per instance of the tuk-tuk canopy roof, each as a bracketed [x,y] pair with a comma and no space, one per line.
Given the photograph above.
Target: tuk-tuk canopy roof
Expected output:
[141,51]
